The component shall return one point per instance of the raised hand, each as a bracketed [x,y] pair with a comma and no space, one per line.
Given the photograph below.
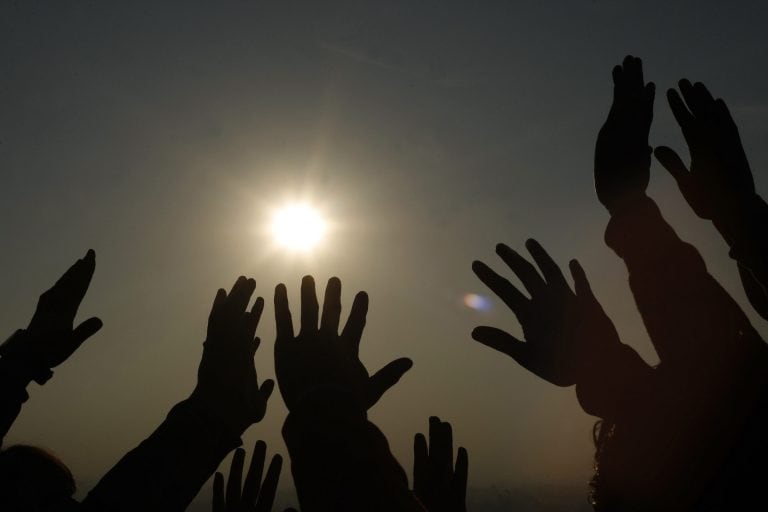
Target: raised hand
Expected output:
[320,357]
[51,336]
[622,154]
[565,332]
[719,176]
[439,485]
[254,495]
[226,381]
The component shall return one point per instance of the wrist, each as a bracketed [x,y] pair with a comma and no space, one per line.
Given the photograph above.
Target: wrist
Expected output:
[212,407]
[20,362]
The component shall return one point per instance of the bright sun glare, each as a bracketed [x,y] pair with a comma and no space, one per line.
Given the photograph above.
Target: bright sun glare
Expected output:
[298,227]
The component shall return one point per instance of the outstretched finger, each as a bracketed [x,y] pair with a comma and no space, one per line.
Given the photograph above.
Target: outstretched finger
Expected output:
[682,115]
[522,268]
[505,290]
[329,323]
[253,317]
[441,447]
[381,381]
[235,476]
[672,162]
[309,306]
[253,478]
[218,492]
[283,321]
[550,269]
[420,464]
[580,282]
[353,330]
[269,486]
[460,476]
[501,341]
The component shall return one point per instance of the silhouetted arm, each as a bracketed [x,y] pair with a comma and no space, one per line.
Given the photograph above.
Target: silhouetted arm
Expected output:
[719,184]
[339,460]
[30,354]
[166,471]
[693,323]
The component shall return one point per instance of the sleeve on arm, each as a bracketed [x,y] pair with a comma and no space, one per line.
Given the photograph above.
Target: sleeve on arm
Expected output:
[166,471]
[341,461]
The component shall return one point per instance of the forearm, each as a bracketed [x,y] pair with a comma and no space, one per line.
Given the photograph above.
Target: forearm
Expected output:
[340,461]
[166,471]
[16,373]
[743,227]
[674,291]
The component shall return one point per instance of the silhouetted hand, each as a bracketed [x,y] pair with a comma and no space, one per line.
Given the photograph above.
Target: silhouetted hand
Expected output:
[719,176]
[565,332]
[439,486]
[51,336]
[321,357]
[226,380]
[622,154]
[255,495]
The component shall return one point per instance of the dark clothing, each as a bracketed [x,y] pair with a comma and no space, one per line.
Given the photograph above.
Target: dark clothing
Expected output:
[341,461]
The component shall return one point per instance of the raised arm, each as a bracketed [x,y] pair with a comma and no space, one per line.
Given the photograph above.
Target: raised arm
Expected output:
[719,185]
[340,461]
[672,288]
[30,354]
[166,471]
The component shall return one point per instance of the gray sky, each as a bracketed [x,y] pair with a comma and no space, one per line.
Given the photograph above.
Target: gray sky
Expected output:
[163,135]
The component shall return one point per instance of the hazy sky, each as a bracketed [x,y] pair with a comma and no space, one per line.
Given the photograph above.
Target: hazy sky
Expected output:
[162,134]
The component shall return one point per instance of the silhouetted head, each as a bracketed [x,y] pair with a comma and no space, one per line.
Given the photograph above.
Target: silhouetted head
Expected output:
[32,479]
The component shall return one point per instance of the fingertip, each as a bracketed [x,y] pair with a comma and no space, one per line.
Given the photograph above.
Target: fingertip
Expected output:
[90,254]
[267,387]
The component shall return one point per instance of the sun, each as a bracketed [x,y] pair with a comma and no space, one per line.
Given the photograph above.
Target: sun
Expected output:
[298,227]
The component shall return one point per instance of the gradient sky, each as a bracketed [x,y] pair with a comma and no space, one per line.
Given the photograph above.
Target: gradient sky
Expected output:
[162,134]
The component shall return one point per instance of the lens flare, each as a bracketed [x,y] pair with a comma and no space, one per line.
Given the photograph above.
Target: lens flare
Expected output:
[477,302]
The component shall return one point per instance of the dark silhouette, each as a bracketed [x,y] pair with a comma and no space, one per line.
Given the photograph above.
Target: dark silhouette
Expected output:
[252,494]
[567,334]
[686,434]
[30,354]
[665,452]
[166,471]
[439,485]
[32,478]
[719,185]
[339,460]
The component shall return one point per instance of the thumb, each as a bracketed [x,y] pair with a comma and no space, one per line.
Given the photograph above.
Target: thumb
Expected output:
[672,162]
[84,331]
[266,388]
[385,378]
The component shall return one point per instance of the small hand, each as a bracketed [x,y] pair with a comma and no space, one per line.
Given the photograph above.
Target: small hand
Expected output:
[565,332]
[51,336]
[227,384]
[321,357]
[719,176]
[622,154]
[255,495]
[439,486]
